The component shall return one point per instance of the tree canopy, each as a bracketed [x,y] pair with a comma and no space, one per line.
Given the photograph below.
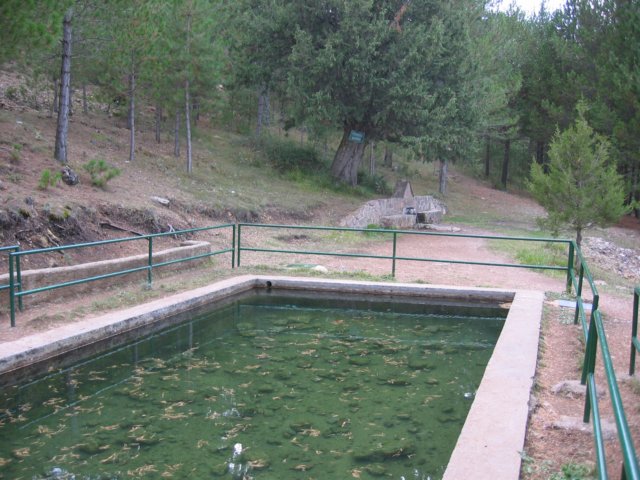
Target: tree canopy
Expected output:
[391,70]
[448,80]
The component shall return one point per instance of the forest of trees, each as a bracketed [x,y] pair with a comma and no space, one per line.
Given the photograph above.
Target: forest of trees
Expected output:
[448,80]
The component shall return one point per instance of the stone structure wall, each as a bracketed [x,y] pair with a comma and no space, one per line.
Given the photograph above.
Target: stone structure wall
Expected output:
[389,212]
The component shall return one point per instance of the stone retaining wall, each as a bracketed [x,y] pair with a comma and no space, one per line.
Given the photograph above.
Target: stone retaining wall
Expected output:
[372,212]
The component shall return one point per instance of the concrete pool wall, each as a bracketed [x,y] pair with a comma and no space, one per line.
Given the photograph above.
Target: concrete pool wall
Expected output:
[493,435]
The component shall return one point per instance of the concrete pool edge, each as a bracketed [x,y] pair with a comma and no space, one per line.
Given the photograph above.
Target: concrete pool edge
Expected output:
[493,435]
[492,438]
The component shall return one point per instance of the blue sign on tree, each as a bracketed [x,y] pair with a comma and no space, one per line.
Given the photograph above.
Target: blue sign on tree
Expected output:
[356,137]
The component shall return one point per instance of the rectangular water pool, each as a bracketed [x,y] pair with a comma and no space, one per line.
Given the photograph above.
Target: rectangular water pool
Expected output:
[271,385]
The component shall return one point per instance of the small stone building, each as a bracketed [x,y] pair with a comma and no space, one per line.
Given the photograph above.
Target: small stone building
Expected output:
[403,210]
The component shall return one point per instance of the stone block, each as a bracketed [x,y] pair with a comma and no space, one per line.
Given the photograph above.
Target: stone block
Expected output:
[398,221]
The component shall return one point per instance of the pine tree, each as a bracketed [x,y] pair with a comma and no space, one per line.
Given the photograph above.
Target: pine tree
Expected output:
[26,25]
[581,187]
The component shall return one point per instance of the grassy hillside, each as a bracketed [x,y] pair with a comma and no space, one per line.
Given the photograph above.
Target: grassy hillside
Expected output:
[232,180]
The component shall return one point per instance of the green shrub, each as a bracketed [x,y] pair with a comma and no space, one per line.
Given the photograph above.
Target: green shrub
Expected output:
[374,183]
[48,179]
[574,471]
[375,233]
[12,93]
[554,254]
[286,155]
[16,153]
[100,171]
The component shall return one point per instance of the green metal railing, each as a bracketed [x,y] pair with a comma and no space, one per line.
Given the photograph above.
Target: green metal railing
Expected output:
[9,250]
[594,333]
[15,283]
[394,257]
[635,344]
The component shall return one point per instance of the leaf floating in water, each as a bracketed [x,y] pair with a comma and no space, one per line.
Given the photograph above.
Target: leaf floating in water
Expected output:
[170,470]
[52,402]
[21,453]
[211,415]
[110,459]
[174,416]
[43,430]
[108,428]
[303,467]
[143,470]
[4,461]
[355,473]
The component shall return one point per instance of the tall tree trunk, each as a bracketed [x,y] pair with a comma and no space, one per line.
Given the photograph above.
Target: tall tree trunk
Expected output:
[70,100]
[540,153]
[372,159]
[132,114]
[260,111]
[505,163]
[487,157]
[195,111]
[158,118]
[579,236]
[176,134]
[635,194]
[187,99]
[187,121]
[85,105]
[444,167]
[62,127]
[347,160]
[388,157]
[55,103]
[266,111]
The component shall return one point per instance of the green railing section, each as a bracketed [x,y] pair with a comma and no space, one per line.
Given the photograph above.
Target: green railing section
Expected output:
[15,283]
[8,250]
[635,344]
[594,333]
[394,256]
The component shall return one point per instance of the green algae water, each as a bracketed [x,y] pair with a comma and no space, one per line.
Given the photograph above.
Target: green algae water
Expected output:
[266,387]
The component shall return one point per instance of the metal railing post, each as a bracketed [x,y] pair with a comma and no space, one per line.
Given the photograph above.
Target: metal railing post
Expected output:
[12,291]
[233,246]
[634,332]
[239,243]
[579,293]
[150,262]
[590,353]
[393,264]
[19,279]
[588,369]
[570,266]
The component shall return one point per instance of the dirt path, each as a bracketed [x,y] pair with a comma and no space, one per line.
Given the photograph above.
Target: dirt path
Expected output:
[448,248]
